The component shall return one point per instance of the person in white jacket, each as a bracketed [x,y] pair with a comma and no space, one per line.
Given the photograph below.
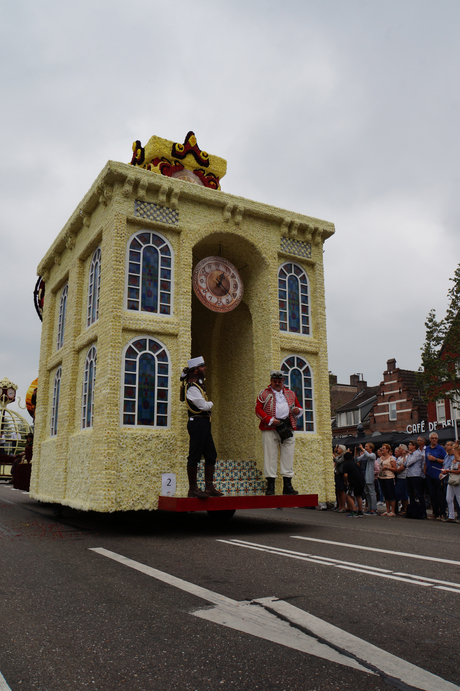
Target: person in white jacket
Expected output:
[366,460]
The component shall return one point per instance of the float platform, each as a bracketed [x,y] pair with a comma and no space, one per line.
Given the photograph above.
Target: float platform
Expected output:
[233,503]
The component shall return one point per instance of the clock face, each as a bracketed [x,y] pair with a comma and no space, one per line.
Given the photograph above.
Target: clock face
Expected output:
[217,284]
[10,393]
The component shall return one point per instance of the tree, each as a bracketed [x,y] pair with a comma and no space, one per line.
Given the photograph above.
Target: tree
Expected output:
[439,376]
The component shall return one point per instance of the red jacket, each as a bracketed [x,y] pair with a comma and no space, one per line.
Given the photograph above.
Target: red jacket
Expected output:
[266,405]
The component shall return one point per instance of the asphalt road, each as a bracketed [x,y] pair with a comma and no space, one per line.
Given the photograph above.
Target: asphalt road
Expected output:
[282,600]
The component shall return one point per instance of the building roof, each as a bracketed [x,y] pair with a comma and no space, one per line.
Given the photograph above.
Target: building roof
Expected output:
[340,395]
[409,380]
[360,399]
[134,182]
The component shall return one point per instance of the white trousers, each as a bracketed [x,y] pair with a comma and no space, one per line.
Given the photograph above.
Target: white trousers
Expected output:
[452,491]
[271,444]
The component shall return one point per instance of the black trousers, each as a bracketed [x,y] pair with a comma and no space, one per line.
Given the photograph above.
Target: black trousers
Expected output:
[201,441]
[436,492]
[415,490]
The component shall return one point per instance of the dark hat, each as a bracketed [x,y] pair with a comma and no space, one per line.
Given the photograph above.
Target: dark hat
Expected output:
[276,374]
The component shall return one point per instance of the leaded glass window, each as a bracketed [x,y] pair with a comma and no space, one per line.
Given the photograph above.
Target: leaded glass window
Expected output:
[146,383]
[89,379]
[94,285]
[294,309]
[298,378]
[55,404]
[62,316]
[150,266]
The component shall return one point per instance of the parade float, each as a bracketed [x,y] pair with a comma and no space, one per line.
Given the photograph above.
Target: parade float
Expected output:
[127,304]
[13,432]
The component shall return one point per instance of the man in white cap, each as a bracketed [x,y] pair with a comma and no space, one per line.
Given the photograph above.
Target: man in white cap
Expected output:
[199,428]
[277,408]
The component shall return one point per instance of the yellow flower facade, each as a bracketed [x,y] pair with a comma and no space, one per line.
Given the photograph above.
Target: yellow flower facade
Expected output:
[94,447]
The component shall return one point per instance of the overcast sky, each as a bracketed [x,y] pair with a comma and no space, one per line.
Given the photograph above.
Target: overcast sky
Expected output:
[345,110]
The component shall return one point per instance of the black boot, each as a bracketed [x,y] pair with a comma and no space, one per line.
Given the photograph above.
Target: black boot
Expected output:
[270,491]
[210,490]
[287,486]
[194,490]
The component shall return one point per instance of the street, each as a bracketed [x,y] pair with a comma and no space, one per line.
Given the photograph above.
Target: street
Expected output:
[274,599]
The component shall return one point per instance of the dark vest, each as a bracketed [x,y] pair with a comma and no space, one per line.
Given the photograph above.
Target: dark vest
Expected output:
[192,410]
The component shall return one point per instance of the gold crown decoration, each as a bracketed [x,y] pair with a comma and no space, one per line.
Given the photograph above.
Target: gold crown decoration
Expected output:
[184,161]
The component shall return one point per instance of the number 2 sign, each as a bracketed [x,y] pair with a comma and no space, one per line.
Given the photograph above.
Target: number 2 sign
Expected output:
[168,484]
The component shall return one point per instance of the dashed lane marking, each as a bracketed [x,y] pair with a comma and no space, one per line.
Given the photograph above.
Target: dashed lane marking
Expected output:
[377,549]
[412,579]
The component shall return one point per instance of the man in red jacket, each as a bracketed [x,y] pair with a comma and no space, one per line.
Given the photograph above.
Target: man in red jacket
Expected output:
[277,408]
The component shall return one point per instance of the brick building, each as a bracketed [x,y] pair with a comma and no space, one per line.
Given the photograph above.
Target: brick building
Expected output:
[356,410]
[395,405]
[399,403]
[343,393]
[445,411]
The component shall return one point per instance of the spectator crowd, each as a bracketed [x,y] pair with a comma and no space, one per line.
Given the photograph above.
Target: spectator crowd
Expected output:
[405,481]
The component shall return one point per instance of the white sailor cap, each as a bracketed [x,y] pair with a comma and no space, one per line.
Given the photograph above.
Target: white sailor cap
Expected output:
[195,362]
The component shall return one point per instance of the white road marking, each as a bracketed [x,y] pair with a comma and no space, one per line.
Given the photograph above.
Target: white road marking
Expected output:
[282,623]
[257,621]
[412,579]
[376,549]
[3,685]
[394,667]
[197,590]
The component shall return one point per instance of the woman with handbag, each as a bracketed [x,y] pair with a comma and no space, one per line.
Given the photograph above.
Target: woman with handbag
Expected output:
[453,485]
[387,478]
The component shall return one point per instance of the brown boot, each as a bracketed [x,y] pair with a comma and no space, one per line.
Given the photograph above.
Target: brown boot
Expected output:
[194,490]
[210,490]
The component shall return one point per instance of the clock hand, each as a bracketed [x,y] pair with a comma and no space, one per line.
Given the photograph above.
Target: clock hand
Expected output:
[220,284]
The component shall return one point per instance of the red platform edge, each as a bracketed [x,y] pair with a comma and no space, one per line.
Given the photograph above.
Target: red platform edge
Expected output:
[232,503]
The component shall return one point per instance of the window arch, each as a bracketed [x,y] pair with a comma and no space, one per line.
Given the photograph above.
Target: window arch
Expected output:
[55,405]
[89,379]
[146,383]
[62,316]
[293,296]
[149,274]
[94,286]
[298,377]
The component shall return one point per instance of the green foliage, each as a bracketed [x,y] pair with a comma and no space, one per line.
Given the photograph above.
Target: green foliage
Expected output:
[441,350]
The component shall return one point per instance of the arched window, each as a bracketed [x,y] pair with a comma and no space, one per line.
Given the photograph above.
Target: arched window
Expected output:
[89,379]
[298,378]
[94,285]
[149,277]
[55,405]
[62,315]
[146,384]
[293,299]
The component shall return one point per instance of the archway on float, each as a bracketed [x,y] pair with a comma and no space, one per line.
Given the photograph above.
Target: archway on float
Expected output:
[232,344]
